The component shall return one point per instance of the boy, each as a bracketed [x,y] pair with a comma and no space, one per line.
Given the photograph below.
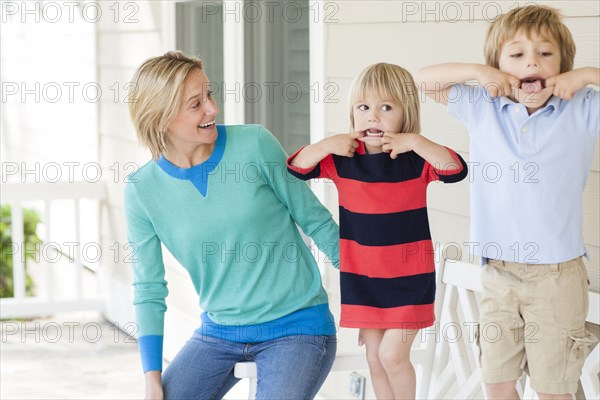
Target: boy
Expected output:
[534,121]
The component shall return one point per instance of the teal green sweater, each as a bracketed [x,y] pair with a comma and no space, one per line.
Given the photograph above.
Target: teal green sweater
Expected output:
[231,223]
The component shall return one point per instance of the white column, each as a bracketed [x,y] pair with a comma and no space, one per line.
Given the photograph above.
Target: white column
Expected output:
[233,60]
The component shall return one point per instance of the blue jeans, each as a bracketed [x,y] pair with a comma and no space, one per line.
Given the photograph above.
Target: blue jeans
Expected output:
[291,367]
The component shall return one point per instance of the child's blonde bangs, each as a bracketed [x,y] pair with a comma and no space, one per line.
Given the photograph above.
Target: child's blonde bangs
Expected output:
[378,80]
[388,82]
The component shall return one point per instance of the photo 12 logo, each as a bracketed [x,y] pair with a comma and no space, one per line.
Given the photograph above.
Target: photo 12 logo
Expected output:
[270,11]
[67,331]
[66,92]
[455,11]
[66,171]
[53,12]
[87,253]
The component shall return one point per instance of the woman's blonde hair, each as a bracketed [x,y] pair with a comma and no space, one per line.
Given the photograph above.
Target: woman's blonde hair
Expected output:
[156,94]
[532,18]
[390,82]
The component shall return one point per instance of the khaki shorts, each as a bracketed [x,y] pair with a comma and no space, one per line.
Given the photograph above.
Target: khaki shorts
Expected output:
[532,319]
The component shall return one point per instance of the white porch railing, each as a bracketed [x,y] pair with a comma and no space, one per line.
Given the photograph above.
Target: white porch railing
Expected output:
[456,373]
[16,194]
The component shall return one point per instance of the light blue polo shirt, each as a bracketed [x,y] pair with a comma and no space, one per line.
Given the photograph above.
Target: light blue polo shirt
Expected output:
[527,173]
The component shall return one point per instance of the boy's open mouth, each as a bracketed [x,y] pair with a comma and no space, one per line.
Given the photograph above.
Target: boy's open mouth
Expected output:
[373,133]
[532,84]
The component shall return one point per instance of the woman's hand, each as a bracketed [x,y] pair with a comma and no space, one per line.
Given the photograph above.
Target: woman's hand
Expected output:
[154,390]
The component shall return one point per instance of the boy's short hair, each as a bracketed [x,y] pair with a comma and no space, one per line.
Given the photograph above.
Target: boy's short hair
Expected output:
[541,19]
[156,94]
[390,82]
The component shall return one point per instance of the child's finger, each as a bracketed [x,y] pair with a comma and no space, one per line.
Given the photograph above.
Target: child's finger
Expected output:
[389,148]
[493,91]
[509,86]
[514,82]
[519,95]
[555,89]
[562,91]
[567,94]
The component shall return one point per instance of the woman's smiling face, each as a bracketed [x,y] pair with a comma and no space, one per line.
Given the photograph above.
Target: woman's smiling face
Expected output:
[195,123]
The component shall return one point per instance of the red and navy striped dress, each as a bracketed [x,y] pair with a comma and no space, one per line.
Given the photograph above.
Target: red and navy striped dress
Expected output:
[387,274]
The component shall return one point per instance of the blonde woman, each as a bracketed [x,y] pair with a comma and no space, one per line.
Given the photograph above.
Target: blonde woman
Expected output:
[220,200]
[381,171]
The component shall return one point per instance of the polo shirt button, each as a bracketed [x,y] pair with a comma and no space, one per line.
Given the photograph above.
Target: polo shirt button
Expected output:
[517,109]
[525,130]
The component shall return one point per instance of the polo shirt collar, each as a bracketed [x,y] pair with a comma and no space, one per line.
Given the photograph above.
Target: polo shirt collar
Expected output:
[553,102]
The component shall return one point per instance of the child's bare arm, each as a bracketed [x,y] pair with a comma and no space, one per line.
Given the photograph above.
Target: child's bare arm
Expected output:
[436,81]
[342,145]
[565,85]
[431,152]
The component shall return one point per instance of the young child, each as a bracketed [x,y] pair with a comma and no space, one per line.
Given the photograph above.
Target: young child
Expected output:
[381,171]
[534,120]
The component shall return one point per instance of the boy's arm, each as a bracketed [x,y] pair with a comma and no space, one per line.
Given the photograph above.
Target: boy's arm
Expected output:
[436,81]
[566,84]
[341,145]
